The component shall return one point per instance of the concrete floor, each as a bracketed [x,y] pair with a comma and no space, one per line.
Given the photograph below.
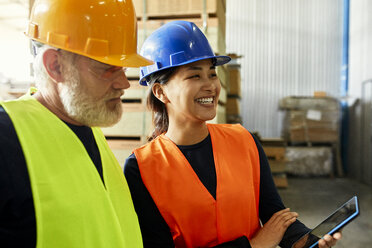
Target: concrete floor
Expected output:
[315,198]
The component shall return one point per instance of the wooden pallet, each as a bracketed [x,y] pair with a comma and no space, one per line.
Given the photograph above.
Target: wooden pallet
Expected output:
[273,142]
[277,166]
[275,151]
[280,180]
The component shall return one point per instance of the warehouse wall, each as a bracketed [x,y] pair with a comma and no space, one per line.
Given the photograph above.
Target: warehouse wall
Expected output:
[360,45]
[14,45]
[289,47]
[360,70]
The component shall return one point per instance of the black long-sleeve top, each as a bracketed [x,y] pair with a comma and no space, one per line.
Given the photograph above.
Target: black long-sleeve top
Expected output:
[156,232]
[17,214]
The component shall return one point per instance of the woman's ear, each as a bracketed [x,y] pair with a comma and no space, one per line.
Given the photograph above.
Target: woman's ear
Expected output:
[158,91]
[52,63]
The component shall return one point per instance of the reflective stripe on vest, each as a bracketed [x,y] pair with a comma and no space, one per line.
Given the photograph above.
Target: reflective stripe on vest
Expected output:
[195,218]
[73,208]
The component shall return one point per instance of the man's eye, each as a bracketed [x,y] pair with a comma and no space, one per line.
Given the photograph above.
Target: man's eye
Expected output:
[213,75]
[101,68]
[113,69]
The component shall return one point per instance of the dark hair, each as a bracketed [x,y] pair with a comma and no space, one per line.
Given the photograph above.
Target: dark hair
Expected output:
[160,118]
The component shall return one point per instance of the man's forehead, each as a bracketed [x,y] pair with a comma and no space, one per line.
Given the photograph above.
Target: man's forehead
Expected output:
[94,62]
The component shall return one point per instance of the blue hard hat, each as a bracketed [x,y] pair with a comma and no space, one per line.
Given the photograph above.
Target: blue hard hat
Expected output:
[174,44]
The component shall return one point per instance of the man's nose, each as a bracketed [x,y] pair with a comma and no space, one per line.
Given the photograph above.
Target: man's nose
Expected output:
[121,82]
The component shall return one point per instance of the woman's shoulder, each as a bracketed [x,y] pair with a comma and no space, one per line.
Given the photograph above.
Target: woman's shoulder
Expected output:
[232,128]
[131,164]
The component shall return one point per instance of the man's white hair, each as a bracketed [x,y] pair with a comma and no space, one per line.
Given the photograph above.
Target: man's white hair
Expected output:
[41,77]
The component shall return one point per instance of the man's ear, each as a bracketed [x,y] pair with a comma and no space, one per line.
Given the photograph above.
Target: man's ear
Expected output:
[52,63]
[158,91]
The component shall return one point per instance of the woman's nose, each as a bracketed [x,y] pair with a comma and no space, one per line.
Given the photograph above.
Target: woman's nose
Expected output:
[210,84]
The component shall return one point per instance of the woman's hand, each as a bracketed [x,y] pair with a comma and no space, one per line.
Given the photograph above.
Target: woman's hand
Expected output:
[329,241]
[272,232]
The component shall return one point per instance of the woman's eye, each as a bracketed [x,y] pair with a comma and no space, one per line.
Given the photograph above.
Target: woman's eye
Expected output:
[194,77]
[213,75]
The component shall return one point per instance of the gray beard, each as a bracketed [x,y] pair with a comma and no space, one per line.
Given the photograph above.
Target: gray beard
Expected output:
[82,107]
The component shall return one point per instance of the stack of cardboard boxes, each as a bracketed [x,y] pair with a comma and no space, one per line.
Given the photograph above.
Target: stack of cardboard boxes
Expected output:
[314,124]
[233,113]
[311,119]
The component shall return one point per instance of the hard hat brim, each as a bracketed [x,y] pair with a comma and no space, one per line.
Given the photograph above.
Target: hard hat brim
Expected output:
[219,60]
[132,60]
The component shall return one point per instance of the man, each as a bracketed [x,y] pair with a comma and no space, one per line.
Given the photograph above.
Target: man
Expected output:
[60,185]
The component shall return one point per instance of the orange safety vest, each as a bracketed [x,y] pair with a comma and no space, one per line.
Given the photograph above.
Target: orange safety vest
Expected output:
[194,217]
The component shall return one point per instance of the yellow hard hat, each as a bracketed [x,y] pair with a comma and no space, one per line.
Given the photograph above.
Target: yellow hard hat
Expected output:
[104,30]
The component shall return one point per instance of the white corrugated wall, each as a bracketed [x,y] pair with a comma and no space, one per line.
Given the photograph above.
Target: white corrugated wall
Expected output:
[360,70]
[289,47]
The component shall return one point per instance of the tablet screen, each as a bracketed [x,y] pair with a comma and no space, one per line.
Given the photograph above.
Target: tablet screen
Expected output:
[330,225]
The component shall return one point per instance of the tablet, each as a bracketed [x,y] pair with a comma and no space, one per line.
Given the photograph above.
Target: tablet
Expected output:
[338,219]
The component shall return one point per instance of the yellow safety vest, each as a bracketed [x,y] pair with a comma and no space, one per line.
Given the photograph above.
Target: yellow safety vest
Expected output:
[73,208]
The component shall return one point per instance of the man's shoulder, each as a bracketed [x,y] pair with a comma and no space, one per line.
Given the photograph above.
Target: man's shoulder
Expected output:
[10,148]
[4,118]
[7,132]
[5,121]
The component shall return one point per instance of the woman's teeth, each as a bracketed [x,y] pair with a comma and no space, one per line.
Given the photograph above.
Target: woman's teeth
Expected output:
[207,100]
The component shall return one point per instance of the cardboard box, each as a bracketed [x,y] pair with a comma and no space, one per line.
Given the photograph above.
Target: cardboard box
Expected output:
[135,122]
[230,118]
[307,102]
[313,135]
[135,91]
[311,119]
[133,73]
[234,81]
[122,148]
[320,94]
[233,106]
[299,128]
[309,161]
[223,97]
[223,76]
[158,8]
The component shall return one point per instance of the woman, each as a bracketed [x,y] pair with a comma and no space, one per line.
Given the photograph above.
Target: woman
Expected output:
[197,184]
